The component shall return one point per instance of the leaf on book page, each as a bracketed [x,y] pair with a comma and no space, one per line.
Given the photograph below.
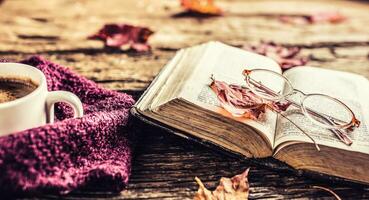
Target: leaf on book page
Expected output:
[317,17]
[238,101]
[280,106]
[286,57]
[235,188]
[204,7]
[117,35]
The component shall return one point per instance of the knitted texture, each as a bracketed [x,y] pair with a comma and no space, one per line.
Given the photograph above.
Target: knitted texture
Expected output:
[70,153]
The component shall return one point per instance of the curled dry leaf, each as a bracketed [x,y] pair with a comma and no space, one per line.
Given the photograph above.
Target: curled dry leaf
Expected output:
[235,188]
[238,101]
[317,17]
[117,35]
[204,7]
[281,105]
[286,57]
[241,102]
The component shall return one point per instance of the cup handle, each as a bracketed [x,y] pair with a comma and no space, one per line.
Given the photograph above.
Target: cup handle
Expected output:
[62,96]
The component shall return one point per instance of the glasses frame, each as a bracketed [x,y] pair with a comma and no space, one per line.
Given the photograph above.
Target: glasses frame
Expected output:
[306,111]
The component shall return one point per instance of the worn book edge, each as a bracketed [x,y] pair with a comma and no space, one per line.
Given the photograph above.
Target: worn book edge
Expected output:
[269,162]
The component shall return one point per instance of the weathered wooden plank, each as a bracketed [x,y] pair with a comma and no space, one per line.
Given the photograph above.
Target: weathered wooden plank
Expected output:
[165,167]
[244,21]
[62,35]
[122,71]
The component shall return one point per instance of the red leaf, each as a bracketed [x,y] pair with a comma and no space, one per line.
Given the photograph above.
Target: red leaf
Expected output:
[286,57]
[235,188]
[317,17]
[117,35]
[206,7]
[238,101]
[331,17]
[281,106]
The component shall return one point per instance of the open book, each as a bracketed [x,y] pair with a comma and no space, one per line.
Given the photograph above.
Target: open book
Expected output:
[180,98]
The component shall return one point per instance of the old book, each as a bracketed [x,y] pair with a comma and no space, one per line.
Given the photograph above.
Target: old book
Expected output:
[180,98]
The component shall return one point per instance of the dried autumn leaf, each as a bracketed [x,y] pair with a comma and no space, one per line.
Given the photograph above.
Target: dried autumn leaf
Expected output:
[286,57]
[317,17]
[281,106]
[117,35]
[238,101]
[331,17]
[242,102]
[205,7]
[235,188]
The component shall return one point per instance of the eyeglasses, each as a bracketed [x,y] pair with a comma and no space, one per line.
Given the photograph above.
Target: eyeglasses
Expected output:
[323,110]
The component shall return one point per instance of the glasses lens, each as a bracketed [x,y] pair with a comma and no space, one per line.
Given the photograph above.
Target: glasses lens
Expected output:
[327,111]
[268,84]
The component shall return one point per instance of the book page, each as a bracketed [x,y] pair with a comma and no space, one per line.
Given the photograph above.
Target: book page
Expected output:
[226,63]
[351,89]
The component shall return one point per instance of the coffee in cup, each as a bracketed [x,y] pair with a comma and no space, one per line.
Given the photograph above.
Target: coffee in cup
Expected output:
[25,101]
[12,88]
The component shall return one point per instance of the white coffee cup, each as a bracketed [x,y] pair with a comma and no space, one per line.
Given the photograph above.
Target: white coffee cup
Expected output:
[36,108]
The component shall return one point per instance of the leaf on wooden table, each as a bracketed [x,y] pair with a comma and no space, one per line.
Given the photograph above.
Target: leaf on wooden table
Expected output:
[235,188]
[286,57]
[118,35]
[238,101]
[205,7]
[317,17]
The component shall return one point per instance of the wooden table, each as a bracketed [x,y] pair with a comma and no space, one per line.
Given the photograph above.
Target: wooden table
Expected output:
[165,166]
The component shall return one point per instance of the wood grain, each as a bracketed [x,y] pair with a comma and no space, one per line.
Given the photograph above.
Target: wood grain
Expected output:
[165,166]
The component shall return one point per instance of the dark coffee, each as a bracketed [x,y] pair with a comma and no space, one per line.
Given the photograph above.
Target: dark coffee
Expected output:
[12,88]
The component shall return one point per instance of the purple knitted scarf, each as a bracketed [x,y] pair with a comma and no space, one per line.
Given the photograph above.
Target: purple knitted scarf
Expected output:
[70,153]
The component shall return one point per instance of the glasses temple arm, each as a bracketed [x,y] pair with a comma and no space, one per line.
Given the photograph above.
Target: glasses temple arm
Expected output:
[341,135]
[271,92]
[311,138]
